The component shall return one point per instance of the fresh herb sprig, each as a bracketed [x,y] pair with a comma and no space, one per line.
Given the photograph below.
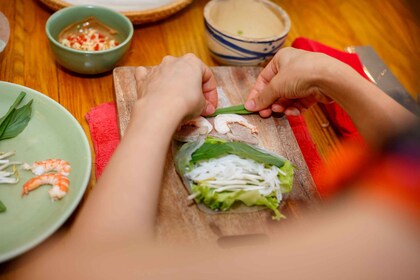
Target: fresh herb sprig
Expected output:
[16,119]
[214,148]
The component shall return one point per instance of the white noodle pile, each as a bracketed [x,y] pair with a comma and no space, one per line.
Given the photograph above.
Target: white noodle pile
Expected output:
[234,173]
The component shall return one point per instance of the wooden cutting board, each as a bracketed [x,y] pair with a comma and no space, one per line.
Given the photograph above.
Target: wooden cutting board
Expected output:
[179,220]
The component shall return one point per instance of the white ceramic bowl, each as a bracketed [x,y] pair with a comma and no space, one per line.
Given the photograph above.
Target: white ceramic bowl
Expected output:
[4,32]
[244,32]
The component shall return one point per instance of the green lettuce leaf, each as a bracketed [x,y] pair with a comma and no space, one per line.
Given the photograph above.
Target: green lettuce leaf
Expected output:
[286,180]
[223,201]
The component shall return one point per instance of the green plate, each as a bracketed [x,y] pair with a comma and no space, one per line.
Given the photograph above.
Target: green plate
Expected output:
[52,132]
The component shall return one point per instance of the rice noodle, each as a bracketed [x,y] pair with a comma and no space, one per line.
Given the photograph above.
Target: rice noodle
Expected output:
[231,173]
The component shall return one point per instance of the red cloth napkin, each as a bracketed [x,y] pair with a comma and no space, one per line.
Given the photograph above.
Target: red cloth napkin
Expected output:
[306,145]
[103,127]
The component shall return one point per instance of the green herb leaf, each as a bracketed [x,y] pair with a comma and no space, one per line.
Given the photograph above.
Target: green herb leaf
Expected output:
[16,119]
[3,207]
[237,109]
[214,148]
[5,119]
[19,119]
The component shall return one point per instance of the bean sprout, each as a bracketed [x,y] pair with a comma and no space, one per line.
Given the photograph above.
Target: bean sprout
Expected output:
[232,173]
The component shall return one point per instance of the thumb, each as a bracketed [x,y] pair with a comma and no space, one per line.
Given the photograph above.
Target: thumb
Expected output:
[208,109]
[263,99]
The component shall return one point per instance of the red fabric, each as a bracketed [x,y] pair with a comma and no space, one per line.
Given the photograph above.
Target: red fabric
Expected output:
[395,179]
[306,145]
[337,116]
[103,127]
[351,59]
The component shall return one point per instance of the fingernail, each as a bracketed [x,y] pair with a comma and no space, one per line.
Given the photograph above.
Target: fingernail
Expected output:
[209,109]
[292,112]
[250,105]
[277,108]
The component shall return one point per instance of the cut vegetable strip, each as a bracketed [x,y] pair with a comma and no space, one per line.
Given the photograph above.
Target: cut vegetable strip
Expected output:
[6,176]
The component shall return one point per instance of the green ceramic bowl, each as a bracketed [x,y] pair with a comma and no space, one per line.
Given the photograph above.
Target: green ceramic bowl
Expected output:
[89,62]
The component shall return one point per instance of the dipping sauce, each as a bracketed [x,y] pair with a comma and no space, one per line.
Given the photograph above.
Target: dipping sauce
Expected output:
[246,18]
[89,35]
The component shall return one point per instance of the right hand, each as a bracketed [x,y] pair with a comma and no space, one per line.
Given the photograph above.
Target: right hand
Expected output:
[290,83]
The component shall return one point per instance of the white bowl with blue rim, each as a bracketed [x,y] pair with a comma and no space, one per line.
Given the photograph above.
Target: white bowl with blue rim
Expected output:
[245,32]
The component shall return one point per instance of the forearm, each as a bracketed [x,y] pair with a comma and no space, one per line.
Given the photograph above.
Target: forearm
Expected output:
[347,234]
[130,185]
[121,209]
[375,114]
[119,214]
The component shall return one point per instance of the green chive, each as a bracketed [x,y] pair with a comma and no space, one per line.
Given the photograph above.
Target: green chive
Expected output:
[237,109]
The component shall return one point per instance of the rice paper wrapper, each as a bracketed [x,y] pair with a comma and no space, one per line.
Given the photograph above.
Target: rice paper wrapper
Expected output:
[187,155]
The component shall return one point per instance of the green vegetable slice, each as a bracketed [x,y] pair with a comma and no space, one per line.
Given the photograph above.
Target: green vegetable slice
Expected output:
[237,109]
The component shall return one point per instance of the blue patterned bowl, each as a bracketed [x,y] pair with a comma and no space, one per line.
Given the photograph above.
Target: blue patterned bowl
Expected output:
[245,32]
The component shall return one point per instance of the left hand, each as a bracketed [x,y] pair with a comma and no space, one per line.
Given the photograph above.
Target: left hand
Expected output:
[183,83]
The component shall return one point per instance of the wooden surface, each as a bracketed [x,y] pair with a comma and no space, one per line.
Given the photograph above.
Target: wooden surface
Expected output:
[183,221]
[391,27]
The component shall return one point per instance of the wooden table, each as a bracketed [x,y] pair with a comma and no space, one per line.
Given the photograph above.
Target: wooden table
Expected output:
[391,27]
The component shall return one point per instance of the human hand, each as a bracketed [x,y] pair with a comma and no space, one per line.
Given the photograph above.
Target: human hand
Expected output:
[184,84]
[290,83]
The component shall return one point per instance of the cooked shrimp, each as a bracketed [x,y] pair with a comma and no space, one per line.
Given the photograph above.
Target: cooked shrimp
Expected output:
[59,182]
[221,123]
[201,127]
[57,165]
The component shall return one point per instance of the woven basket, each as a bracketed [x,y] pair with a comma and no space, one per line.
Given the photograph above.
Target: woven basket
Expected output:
[136,17]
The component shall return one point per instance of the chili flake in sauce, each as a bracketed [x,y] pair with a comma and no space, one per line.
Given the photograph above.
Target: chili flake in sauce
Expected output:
[89,35]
